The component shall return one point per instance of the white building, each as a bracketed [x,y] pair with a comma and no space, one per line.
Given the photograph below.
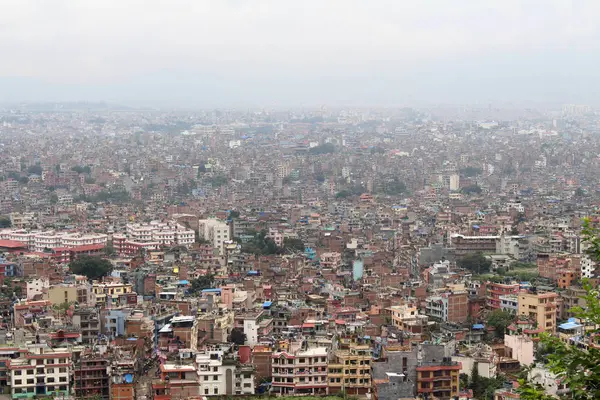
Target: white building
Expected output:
[509,303]
[168,233]
[588,267]
[214,231]
[218,374]
[43,372]
[40,240]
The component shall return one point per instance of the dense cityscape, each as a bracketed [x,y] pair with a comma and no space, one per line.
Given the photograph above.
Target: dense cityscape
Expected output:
[413,253]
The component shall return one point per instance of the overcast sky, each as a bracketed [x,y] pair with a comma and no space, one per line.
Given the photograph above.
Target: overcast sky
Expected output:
[300,52]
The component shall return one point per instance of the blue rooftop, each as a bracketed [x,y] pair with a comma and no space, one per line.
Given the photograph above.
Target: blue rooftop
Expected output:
[478,326]
[569,325]
[184,282]
[267,304]
[217,290]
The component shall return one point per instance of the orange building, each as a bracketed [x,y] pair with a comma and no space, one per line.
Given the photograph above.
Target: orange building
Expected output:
[440,380]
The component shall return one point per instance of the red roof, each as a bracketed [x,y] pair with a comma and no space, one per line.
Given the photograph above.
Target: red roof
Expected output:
[12,244]
[87,247]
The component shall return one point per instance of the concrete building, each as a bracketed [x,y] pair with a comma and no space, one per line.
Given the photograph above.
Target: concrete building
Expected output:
[220,373]
[300,372]
[91,379]
[350,370]
[214,231]
[41,371]
[493,292]
[448,307]
[540,308]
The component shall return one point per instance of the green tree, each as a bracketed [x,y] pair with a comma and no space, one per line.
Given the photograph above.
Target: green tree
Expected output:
[322,149]
[500,320]
[237,336]
[476,263]
[5,222]
[293,244]
[233,214]
[470,171]
[91,266]
[35,169]
[579,192]
[471,189]
[577,368]
[201,283]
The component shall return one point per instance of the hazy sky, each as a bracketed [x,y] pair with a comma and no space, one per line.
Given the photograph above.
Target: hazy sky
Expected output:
[300,52]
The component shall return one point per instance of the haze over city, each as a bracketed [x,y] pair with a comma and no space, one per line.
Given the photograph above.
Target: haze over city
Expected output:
[290,53]
[299,200]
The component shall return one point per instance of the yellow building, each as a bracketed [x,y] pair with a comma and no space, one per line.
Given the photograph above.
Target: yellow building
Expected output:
[399,314]
[108,293]
[80,294]
[539,308]
[350,371]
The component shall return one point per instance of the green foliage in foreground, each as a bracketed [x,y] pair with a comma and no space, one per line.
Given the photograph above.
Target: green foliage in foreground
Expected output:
[578,369]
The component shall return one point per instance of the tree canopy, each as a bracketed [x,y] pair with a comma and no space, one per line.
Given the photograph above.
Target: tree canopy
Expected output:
[476,263]
[90,266]
[577,368]
[261,244]
[470,171]
[500,320]
[237,336]
[293,244]
[201,283]
[471,189]
[322,149]
[5,222]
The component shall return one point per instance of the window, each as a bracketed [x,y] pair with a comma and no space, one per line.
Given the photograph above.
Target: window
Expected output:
[18,381]
[216,390]
[29,381]
[17,372]
[49,370]
[215,369]
[62,379]
[62,361]
[215,378]
[205,377]
[29,372]
[63,370]
[206,391]
[51,380]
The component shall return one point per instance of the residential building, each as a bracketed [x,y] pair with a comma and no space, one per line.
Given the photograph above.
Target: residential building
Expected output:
[540,308]
[300,372]
[41,371]
[350,370]
[493,292]
[91,379]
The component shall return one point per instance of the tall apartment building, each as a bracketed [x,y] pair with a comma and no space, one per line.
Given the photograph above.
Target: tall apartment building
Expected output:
[494,292]
[152,236]
[439,380]
[220,373]
[540,308]
[214,231]
[448,307]
[350,370]
[91,378]
[41,371]
[300,372]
